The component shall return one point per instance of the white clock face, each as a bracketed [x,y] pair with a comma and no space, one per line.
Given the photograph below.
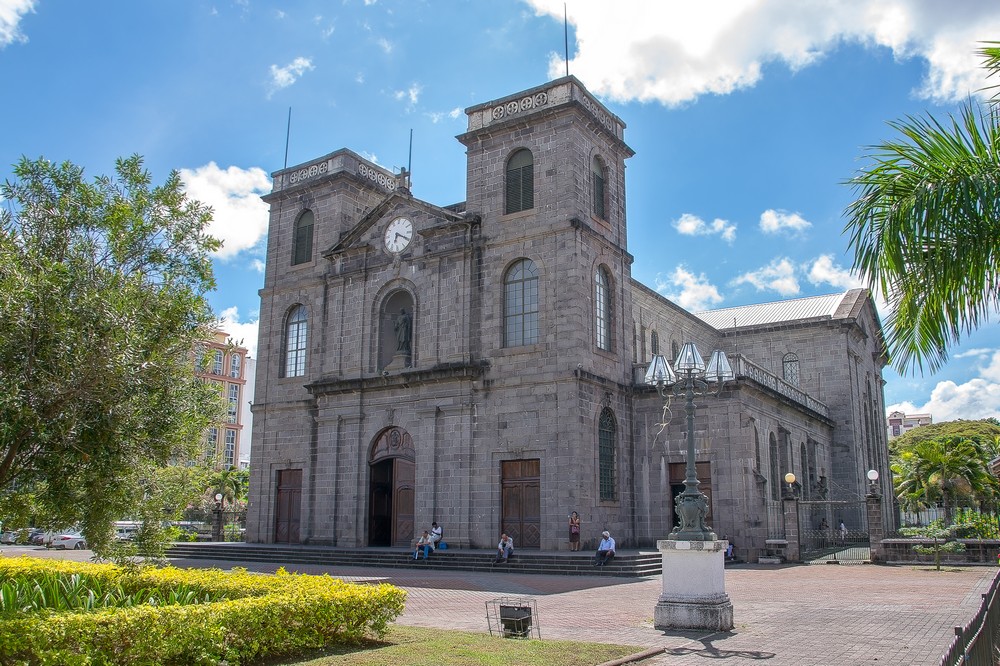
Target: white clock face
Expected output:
[398,235]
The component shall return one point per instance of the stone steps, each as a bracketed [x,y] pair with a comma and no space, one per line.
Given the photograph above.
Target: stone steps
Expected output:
[629,563]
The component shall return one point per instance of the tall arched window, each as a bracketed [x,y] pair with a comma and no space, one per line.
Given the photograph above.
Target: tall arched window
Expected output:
[607,430]
[790,369]
[520,315]
[302,241]
[674,350]
[654,343]
[602,314]
[597,176]
[775,477]
[520,182]
[804,470]
[296,328]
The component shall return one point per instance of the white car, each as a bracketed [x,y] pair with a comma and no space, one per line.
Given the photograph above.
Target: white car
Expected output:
[67,541]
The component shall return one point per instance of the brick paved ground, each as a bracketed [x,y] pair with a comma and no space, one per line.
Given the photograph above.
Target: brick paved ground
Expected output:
[801,615]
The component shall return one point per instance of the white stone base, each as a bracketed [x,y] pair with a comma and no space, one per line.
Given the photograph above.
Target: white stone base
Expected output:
[694,588]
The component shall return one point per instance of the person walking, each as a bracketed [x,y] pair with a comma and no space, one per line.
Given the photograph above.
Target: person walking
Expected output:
[574,531]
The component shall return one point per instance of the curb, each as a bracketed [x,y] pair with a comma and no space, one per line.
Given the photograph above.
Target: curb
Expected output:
[632,658]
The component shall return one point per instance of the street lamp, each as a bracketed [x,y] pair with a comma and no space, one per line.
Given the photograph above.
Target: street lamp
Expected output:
[689,377]
[872,479]
[790,480]
[217,536]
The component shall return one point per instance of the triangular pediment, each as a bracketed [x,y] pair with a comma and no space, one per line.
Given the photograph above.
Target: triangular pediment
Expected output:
[399,203]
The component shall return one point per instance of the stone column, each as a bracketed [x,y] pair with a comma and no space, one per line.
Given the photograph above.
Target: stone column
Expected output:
[876,530]
[790,506]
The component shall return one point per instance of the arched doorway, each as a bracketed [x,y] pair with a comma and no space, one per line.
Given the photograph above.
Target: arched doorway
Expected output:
[391,489]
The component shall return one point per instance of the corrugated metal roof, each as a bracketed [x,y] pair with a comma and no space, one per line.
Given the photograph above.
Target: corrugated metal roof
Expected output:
[771,313]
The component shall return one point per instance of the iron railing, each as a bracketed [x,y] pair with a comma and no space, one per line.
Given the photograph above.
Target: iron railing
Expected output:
[746,369]
[978,642]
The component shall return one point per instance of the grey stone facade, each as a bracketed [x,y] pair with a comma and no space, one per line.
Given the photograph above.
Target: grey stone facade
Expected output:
[481,434]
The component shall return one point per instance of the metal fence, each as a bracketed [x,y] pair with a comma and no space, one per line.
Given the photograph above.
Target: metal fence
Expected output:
[978,643]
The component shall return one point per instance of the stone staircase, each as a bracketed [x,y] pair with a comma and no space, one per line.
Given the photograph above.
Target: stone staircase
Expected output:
[629,563]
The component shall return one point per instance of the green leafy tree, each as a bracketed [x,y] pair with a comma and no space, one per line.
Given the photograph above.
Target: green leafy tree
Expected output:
[925,228]
[102,298]
[985,432]
[945,469]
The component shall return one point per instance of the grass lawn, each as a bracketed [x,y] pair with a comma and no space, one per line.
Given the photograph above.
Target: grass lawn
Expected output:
[438,647]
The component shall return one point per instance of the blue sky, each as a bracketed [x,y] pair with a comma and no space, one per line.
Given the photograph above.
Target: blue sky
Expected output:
[746,118]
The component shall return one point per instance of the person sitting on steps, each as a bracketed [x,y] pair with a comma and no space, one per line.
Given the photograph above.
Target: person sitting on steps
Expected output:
[605,551]
[504,549]
[436,533]
[425,543]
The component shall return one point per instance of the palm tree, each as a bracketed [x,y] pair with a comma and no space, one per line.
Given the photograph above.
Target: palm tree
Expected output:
[925,228]
[949,469]
[228,483]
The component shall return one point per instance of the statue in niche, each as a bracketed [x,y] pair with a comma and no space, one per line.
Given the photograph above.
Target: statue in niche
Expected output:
[403,326]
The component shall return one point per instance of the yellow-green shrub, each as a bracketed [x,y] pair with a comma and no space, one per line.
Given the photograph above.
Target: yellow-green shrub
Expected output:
[263,615]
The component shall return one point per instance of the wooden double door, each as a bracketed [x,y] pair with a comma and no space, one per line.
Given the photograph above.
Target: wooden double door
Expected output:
[288,506]
[520,502]
[391,490]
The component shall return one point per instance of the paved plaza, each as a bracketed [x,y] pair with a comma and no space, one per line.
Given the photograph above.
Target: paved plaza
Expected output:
[819,614]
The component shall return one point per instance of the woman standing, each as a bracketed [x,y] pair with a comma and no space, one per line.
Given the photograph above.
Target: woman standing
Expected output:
[574,531]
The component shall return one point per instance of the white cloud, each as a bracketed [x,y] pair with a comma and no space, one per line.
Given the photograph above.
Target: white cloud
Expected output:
[974,353]
[695,291]
[674,52]
[384,44]
[244,333]
[239,216]
[411,95]
[824,271]
[978,398]
[11,12]
[282,77]
[438,116]
[777,276]
[776,221]
[692,225]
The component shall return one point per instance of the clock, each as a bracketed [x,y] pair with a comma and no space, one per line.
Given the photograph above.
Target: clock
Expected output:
[398,235]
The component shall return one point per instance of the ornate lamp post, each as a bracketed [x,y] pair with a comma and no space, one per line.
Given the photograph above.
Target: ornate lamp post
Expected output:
[690,377]
[694,587]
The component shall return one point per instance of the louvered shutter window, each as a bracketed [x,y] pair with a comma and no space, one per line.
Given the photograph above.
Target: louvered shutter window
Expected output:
[520,182]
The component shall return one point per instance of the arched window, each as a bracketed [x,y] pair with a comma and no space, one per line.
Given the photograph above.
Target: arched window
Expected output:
[654,343]
[597,176]
[296,327]
[302,241]
[607,431]
[520,182]
[520,309]
[674,350]
[602,302]
[790,369]
[235,361]
[775,477]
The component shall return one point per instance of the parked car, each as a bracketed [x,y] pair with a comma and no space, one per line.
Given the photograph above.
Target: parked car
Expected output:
[67,541]
[14,536]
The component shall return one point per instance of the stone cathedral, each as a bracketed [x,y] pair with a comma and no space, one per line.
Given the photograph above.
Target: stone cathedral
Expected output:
[481,364]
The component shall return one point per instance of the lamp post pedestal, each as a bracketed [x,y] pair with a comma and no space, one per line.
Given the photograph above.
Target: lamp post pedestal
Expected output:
[694,586]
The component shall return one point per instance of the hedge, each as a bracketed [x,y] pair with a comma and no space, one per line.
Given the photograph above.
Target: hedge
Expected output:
[261,616]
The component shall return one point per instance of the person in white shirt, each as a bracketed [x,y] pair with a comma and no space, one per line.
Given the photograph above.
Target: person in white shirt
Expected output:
[605,551]
[504,548]
[426,544]
[436,533]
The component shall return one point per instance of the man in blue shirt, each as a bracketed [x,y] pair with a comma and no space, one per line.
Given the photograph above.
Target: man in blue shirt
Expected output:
[605,551]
